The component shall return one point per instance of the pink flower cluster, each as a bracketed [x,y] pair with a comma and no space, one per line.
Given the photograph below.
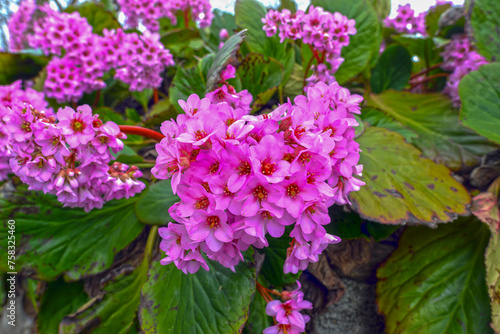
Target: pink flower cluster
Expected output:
[321,73]
[460,58]
[407,22]
[8,96]
[149,12]
[139,60]
[325,32]
[19,23]
[69,157]
[240,177]
[287,314]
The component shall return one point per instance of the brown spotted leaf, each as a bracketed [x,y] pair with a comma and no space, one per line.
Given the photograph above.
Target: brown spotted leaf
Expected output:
[401,186]
[440,135]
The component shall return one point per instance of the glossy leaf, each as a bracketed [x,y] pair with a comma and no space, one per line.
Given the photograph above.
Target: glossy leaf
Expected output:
[178,36]
[15,66]
[272,268]
[152,207]
[485,20]
[424,48]
[55,240]
[434,282]
[248,15]
[382,7]
[258,320]
[115,309]
[58,300]
[480,95]
[364,43]
[433,16]
[261,77]
[492,262]
[432,117]
[393,69]
[216,301]
[403,187]
[374,117]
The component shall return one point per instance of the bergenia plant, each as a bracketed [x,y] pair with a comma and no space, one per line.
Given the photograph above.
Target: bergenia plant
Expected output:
[167,167]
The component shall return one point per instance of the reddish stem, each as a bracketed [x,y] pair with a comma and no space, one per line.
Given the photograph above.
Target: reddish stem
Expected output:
[96,100]
[308,67]
[187,15]
[137,130]
[432,77]
[427,70]
[155,95]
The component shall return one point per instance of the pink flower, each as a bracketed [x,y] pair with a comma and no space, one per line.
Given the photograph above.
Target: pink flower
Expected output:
[210,227]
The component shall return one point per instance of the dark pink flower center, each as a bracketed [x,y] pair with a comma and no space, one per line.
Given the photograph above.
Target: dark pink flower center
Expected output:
[200,134]
[260,193]
[213,221]
[201,203]
[214,168]
[267,167]
[244,168]
[292,190]
[26,126]
[78,125]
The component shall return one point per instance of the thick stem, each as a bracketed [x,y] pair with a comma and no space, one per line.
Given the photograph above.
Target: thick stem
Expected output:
[137,130]
[187,16]
[308,67]
[97,98]
[427,79]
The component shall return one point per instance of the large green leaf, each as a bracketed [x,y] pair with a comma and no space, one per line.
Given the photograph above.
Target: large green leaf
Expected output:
[433,16]
[261,77]
[272,268]
[393,69]
[97,16]
[401,186]
[59,300]
[114,310]
[248,15]
[423,48]
[258,320]
[55,240]
[434,282]
[382,7]
[16,66]
[374,117]
[440,135]
[493,277]
[367,39]
[480,95]
[485,23]
[152,207]
[216,301]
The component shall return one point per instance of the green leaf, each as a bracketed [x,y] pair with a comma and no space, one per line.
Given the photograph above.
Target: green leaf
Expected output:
[179,36]
[480,95]
[433,16]
[294,85]
[152,207]
[97,16]
[216,301]
[423,48]
[58,300]
[349,225]
[288,4]
[55,240]
[222,58]
[440,135]
[485,23]
[260,77]
[258,320]
[116,310]
[17,66]
[127,156]
[393,69]
[272,268]
[492,261]
[403,187]
[374,117]
[382,7]
[248,15]
[434,282]
[189,81]
[364,43]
